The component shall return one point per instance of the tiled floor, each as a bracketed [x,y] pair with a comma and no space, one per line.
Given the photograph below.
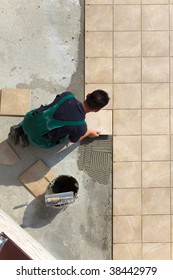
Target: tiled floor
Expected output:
[128,52]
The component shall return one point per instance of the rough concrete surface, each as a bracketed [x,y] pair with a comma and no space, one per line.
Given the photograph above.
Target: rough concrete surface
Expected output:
[42,49]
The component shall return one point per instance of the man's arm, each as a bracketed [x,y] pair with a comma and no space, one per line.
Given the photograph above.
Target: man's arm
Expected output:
[90,133]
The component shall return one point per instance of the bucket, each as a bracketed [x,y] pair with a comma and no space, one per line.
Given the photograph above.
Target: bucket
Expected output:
[61,184]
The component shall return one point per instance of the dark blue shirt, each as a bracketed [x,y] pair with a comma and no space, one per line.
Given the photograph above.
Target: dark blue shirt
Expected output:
[70,110]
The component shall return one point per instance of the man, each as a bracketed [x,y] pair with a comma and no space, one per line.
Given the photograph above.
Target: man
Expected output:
[61,121]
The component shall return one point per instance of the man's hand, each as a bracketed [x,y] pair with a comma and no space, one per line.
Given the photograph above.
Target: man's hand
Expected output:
[91,133]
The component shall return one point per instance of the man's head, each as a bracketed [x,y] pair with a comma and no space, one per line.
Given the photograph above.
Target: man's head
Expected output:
[97,100]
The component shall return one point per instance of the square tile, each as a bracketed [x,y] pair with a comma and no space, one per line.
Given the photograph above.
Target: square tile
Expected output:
[155,95]
[8,155]
[128,251]
[127,70]
[127,44]
[106,87]
[171,15]
[127,1]
[15,102]
[155,147]
[156,251]
[127,96]
[155,17]
[156,228]
[98,2]
[155,69]
[98,44]
[171,42]
[127,201]
[171,94]
[155,43]
[126,175]
[101,120]
[155,1]
[127,122]
[98,18]
[171,66]
[156,201]
[171,121]
[156,174]
[171,147]
[155,121]
[98,70]
[36,178]
[127,17]
[172,173]
[126,229]
[171,196]
[127,148]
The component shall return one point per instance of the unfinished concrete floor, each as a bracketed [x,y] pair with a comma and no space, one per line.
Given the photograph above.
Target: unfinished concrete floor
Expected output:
[42,50]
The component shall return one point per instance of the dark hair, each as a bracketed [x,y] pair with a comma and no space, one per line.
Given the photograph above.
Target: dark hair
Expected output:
[65,184]
[97,99]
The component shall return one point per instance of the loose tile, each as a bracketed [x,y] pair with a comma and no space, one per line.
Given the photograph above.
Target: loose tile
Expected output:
[127,70]
[14,102]
[8,155]
[156,201]
[126,175]
[155,69]
[127,122]
[155,121]
[127,96]
[155,43]
[127,18]
[126,229]
[101,120]
[106,87]
[155,17]
[98,18]
[127,148]
[36,178]
[156,174]
[98,44]
[127,44]
[156,251]
[155,147]
[98,70]
[128,251]
[126,201]
[155,95]
[156,228]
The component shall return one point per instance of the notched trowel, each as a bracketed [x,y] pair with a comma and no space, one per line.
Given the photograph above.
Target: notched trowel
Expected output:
[59,199]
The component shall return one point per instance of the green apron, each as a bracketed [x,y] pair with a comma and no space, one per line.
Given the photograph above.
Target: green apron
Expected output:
[36,125]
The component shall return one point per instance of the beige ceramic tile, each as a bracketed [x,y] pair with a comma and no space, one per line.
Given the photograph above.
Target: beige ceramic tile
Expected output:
[127,17]
[128,251]
[98,18]
[156,251]
[171,121]
[106,87]
[156,174]
[127,174]
[172,174]
[127,1]
[171,197]
[127,122]
[155,1]
[155,69]
[127,148]
[98,2]
[171,66]
[101,120]
[36,178]
[172,232]
[171,16]
[171,147]
[127,70]
[171,43]
[98,44]
[127,44]
[127,96]
[126,229]
[155,43]
[8,155]
[98,70]
[127,201]
[156,201]
[155,148]
[155,17]
[156,228]
[171,94]
[155,95]
[155,121]
[14,102]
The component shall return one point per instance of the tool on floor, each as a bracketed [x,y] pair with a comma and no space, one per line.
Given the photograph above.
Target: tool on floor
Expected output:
[59,199]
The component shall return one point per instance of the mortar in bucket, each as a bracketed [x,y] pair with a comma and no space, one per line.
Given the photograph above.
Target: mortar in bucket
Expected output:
[61,191]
